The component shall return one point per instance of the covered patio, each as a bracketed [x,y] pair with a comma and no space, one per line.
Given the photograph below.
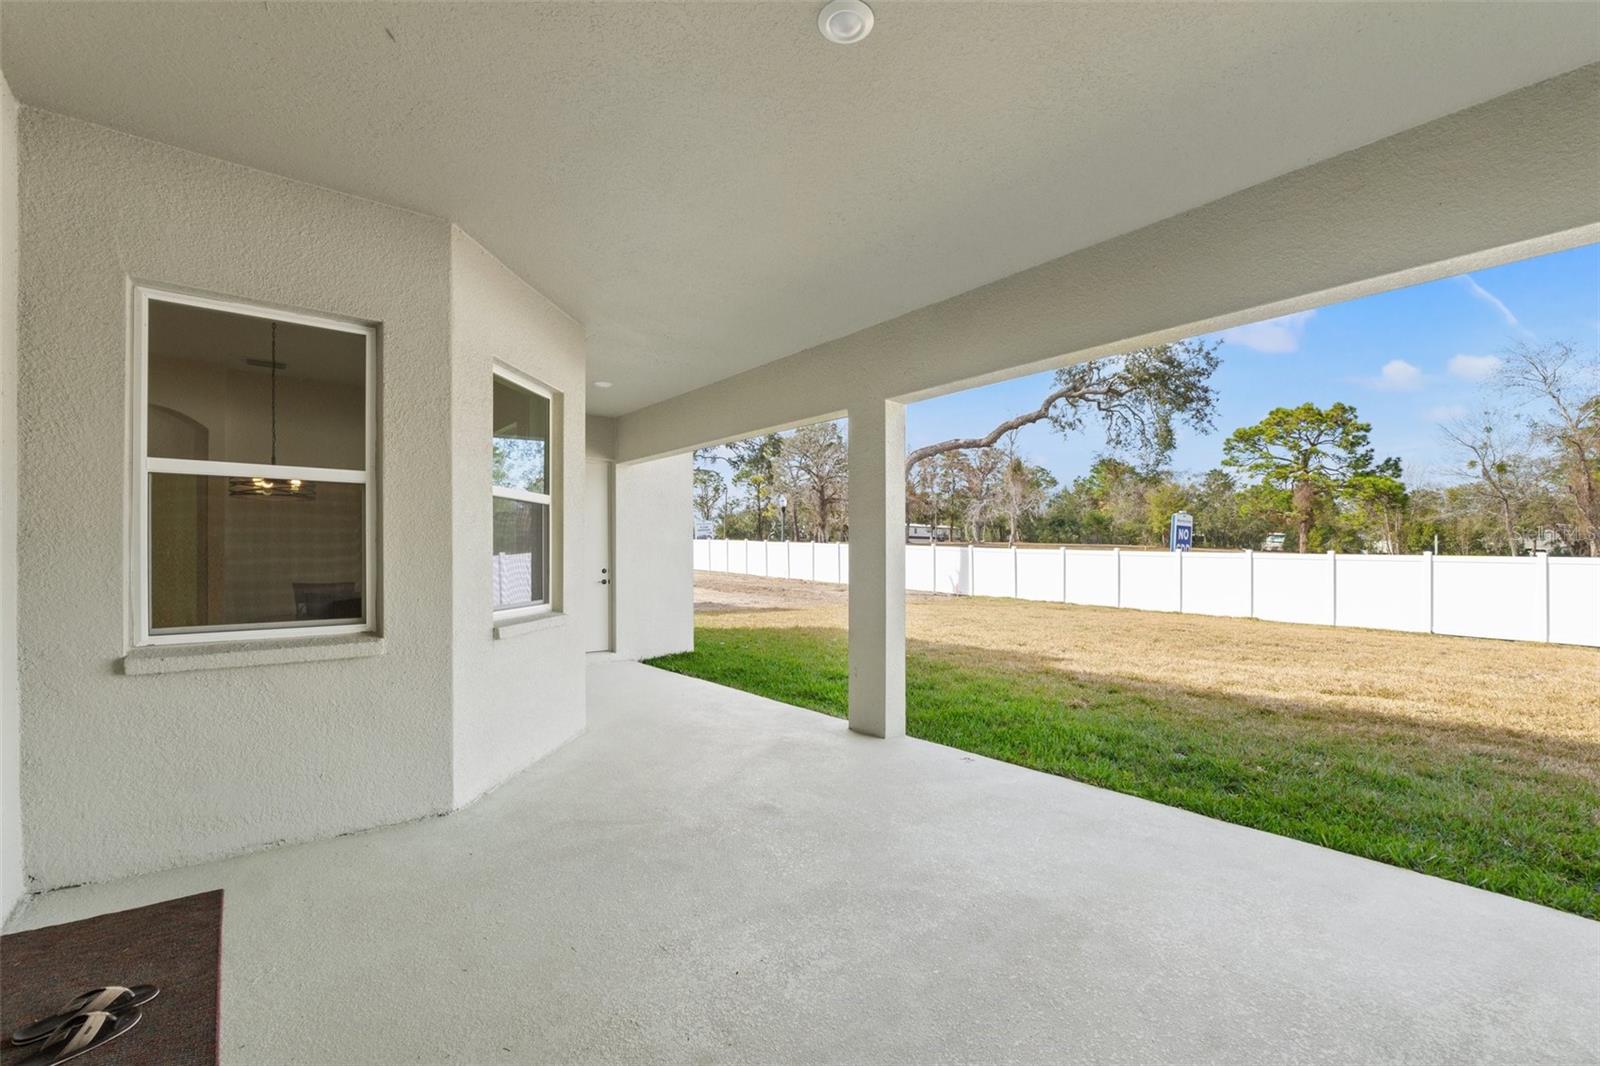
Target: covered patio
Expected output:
[705,875]
[352,362]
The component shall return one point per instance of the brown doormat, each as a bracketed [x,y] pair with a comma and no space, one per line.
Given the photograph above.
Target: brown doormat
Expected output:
[175,945]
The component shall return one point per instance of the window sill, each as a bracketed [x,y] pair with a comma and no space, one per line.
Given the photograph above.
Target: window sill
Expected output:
[506,628]
[181,658]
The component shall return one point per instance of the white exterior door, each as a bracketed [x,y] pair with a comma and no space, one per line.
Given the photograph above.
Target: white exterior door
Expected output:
[596,595]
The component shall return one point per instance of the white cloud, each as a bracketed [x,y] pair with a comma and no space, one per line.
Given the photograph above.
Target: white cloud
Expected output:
[1398,375]
[1474,367]
[1275,336]
[1445,413]
[1491,299]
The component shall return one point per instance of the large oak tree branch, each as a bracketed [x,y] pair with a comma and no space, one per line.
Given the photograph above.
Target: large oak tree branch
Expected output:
[1138,395]
[960,444]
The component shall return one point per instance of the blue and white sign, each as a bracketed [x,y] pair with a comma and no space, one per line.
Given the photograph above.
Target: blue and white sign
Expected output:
[1180,536]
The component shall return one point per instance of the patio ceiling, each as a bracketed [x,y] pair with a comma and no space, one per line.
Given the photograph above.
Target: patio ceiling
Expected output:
[709,187]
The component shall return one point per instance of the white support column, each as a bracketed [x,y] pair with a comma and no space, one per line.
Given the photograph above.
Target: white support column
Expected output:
[877,508]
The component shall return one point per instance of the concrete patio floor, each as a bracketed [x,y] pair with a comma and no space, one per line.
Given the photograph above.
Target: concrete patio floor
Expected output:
[710,876]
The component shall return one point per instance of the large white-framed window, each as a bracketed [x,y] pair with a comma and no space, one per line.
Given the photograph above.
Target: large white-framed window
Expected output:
[254,443]
[523,499]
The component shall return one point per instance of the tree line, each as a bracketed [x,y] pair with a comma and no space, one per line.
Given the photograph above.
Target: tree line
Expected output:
[779,486]
[1527,473]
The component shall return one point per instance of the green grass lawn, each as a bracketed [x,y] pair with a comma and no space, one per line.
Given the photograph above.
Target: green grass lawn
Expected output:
[1470,811]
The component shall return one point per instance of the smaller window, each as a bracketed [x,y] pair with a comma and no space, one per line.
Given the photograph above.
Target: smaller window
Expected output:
[523,507]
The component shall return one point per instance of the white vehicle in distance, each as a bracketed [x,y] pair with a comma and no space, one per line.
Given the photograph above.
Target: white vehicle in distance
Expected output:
[918,533]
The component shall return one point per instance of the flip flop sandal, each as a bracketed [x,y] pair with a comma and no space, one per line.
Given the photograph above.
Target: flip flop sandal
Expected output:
[83,1033]
[112,998]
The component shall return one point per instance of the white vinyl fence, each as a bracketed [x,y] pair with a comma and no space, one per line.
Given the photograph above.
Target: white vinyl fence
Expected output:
[1539,598]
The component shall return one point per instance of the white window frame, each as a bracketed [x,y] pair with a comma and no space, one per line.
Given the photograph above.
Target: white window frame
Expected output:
[144,465]
[516,377]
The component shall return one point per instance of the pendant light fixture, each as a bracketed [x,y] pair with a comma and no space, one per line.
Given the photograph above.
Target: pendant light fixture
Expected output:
[271,487]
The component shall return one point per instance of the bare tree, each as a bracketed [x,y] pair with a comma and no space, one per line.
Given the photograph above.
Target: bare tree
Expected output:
[1566,386]
[924,486]
[1022,489]
[981,486]
[1500,469]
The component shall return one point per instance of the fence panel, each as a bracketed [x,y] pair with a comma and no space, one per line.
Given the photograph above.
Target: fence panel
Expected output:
[1092,578]
[1575,601]
[1150,580]
[992,573]
[1217,583]
[1294,588]
[1384,592]
[954,577]
[1039,574]
[829,565]
[919,568]
[1485,596]
[1474,596]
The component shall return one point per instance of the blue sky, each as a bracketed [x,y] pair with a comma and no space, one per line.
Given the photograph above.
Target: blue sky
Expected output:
[1407,360]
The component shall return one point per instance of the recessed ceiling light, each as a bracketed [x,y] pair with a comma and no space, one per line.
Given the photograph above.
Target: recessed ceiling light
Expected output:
[845,21]
[602,384]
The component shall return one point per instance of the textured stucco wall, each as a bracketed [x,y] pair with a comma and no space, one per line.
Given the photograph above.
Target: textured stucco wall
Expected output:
[653,511]
[600,437]
[516,698]
[1514,176]
[654,597]
[128,773]
[11,880]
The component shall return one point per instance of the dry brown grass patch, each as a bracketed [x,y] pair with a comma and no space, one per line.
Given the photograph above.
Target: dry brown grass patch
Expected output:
[1541,698]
